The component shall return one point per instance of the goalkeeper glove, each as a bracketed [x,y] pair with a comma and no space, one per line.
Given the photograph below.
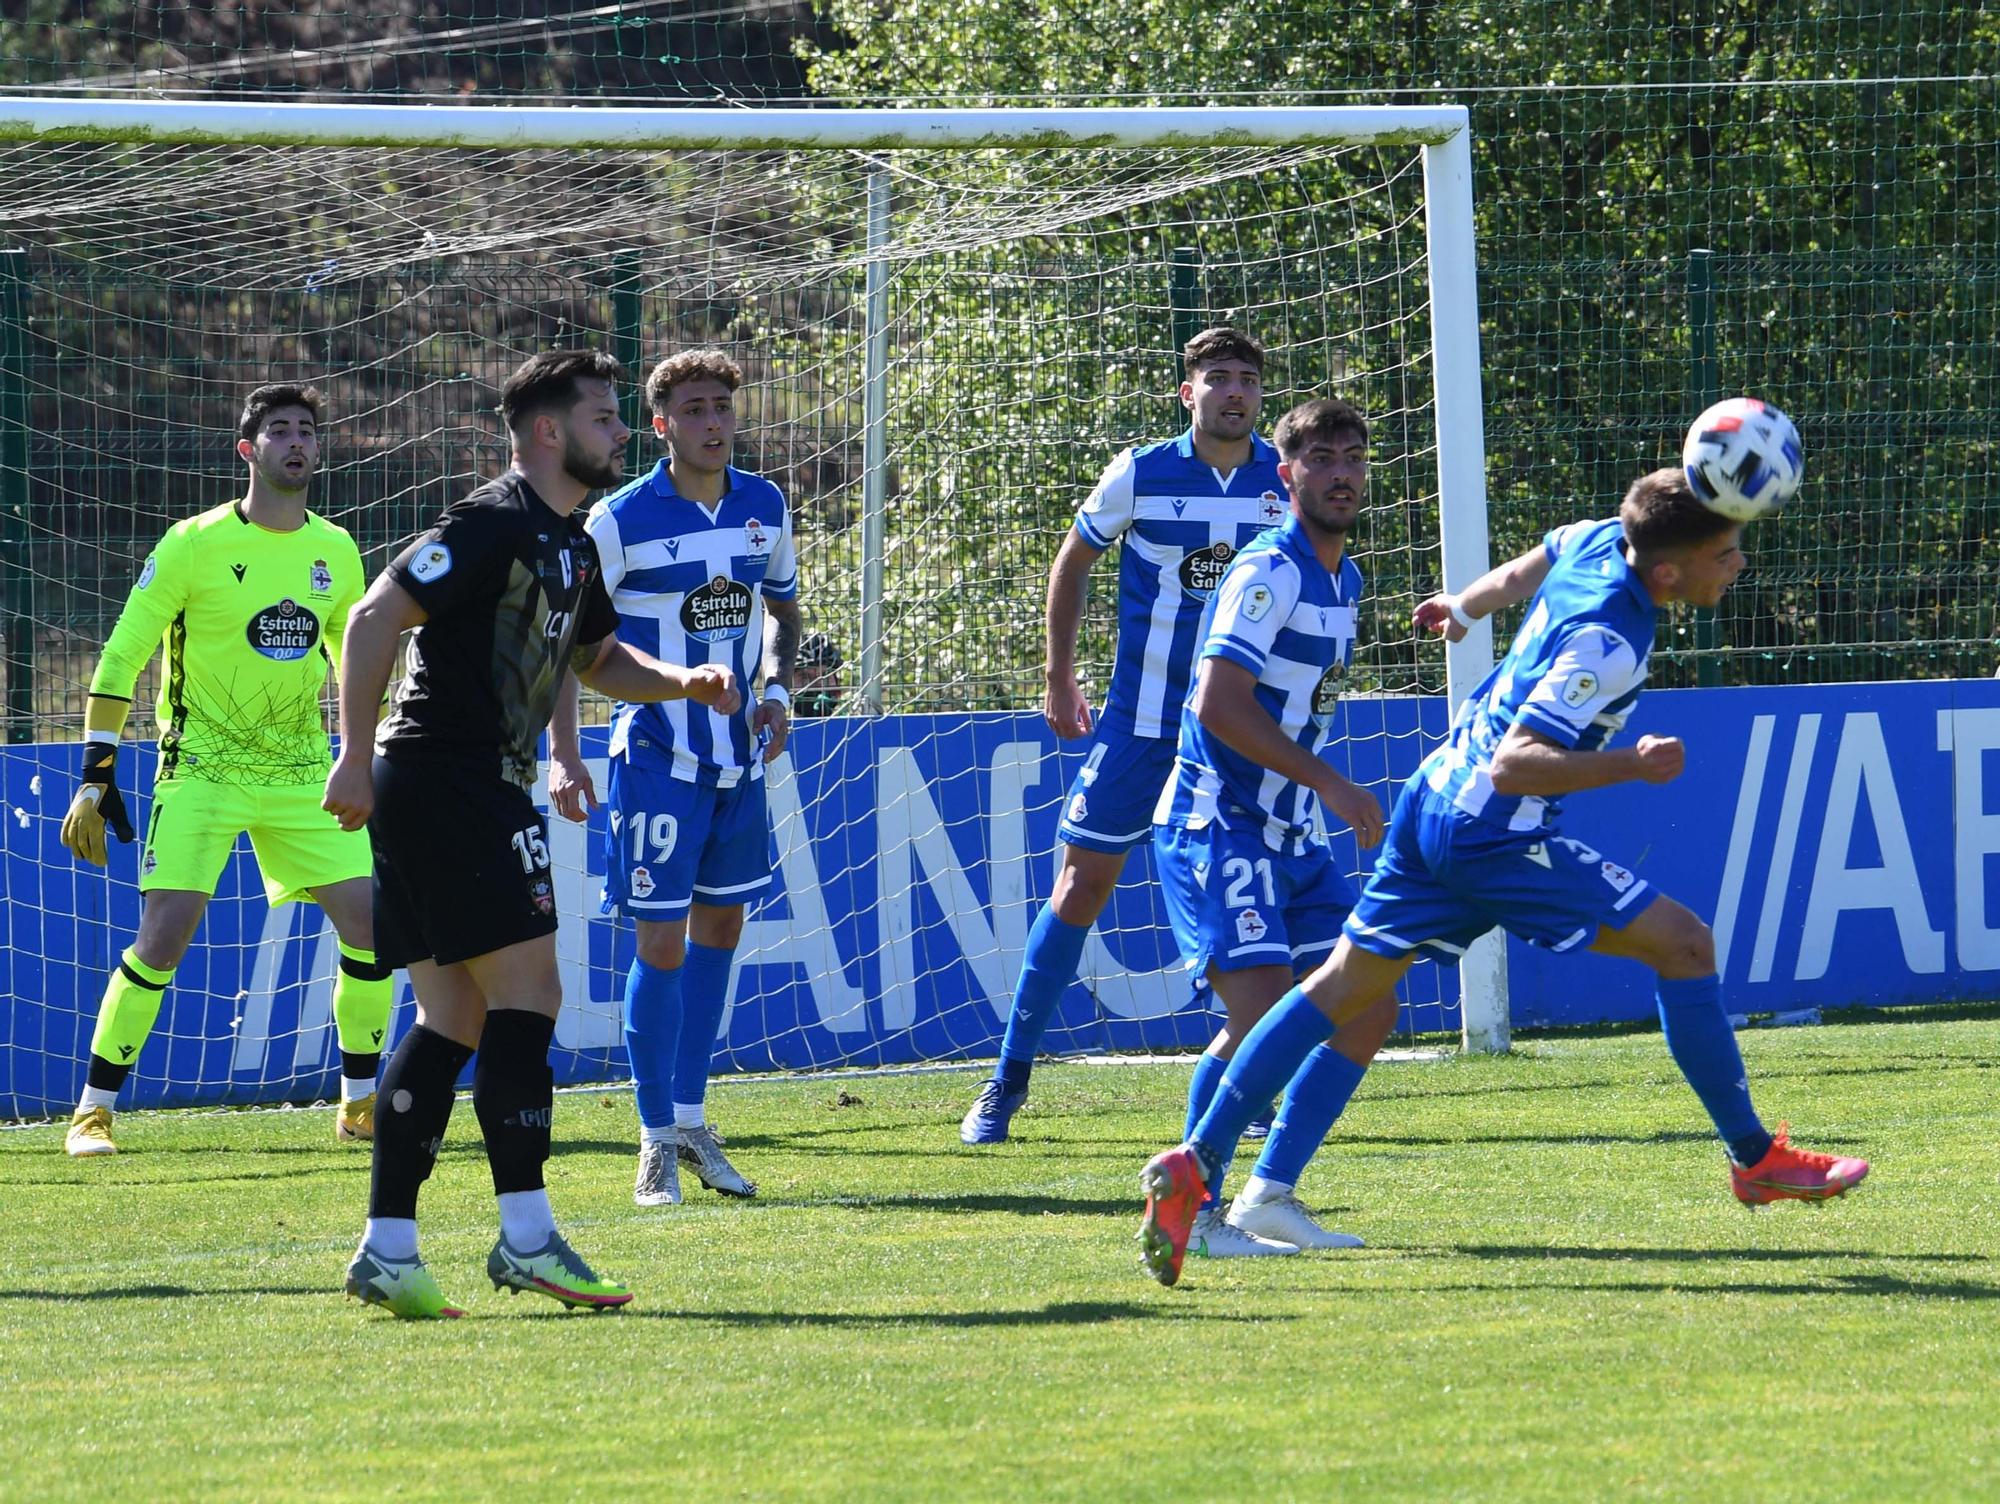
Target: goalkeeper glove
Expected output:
[96,805]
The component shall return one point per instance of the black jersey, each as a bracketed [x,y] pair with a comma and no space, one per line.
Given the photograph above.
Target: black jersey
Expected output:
[509,588]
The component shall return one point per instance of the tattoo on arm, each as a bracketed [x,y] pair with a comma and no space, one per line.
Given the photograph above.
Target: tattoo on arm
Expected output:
[583,657]
[781,642]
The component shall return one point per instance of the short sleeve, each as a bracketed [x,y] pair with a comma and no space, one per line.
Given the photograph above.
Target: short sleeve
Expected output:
[1558,539]
[781,574]
[1107,511]
[1593,669]
[596,617]
[602,525]
[1253,602]
[463,557]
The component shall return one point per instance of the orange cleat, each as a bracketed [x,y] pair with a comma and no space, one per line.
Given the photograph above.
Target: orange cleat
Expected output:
[1788,1174]
[1174,1190]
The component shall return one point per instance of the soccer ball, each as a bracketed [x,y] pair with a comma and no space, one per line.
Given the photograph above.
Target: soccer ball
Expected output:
[1743,458]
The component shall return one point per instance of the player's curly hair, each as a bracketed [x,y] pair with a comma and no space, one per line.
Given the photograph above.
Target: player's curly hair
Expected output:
[1324,419]
[1662,515]
[547,383]
[266,400]
[1221,343]
[686,366]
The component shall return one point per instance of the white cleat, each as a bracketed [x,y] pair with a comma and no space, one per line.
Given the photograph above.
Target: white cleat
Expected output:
[701,1152]
[1286,1220]
[1213,1238]
[659,1180]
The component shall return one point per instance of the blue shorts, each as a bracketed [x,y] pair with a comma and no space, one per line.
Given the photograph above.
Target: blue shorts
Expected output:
[1109,807]
[1234,902]
[668,842]
[1445,878]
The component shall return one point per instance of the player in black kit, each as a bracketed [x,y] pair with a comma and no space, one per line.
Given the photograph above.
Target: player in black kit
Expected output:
[504,595]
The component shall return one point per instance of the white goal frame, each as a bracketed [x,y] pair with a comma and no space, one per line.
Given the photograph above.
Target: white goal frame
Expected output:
[1442,132]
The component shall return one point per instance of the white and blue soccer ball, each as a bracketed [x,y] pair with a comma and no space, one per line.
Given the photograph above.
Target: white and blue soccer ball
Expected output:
[1743,458]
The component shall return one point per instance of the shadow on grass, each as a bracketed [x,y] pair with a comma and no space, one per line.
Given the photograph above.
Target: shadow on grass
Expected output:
[1063,1313]
[1696,1255]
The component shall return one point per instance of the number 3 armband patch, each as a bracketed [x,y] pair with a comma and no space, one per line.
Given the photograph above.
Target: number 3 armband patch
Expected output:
[432,562]
[1581,687]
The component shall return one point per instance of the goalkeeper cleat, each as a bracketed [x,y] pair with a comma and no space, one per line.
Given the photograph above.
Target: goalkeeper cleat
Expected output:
[355,1122]
[1173,1186]
[701,1152]
[992,1110]
[1213,1238]
[555,1270]
[659,1180]
[403,1287]
[1788,1174]
[1286,1220]
[89,1133]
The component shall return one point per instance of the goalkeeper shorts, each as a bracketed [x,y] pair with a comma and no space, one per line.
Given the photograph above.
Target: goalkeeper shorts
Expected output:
[194,824]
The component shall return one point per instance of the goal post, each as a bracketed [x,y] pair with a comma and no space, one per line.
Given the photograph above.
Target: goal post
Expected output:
[950,320]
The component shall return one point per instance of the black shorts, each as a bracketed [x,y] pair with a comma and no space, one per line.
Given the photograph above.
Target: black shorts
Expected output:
[461,864]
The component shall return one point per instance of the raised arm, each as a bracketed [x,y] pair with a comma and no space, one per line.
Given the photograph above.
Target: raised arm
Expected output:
[1504,585]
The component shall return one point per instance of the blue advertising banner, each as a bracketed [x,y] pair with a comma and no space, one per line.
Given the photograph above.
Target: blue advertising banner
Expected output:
[1840,838]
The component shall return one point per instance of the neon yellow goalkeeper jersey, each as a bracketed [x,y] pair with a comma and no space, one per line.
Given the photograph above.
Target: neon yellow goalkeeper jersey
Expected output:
[250,620]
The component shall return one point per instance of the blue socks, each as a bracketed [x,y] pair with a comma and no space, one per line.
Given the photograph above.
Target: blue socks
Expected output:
[1266,1059]
[1313,1102]
[1208,1073]
[1704,1047]
[1054,950]
[705,995]
[652,1028]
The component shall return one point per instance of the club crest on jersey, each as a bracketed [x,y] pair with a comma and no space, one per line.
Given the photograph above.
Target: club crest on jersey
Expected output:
[717,612]
[322,578]
[286,631]
[642,883]
[1202,570]
[432,562]
[1269,509]
[1079,809]
[1326,694]
[1617,876]
[755,539]
[1250,927]
[543,895]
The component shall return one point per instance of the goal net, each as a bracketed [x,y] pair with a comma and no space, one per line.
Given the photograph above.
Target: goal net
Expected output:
[949,323]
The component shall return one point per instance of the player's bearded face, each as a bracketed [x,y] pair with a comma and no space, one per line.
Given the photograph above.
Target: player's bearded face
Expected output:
[286,449]
[1328,480]
[591,459]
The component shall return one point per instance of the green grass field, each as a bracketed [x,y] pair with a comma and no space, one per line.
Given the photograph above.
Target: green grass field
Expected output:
[1560,1301]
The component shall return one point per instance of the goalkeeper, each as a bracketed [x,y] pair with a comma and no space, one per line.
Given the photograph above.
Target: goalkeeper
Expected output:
[249,601]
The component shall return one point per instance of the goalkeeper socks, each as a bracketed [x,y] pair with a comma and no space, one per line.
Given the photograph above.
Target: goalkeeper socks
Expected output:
[1313,1102]
[411,1114]
[1208,1073]
[704,995]
[1266,1059]
[1054,951]
[652,1028]
[1704,1047]
[125,1016]
[362,993]
[391,1238]
[514,1093]
[526,1220]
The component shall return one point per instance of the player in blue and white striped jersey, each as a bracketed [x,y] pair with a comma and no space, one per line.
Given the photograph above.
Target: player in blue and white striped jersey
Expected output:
[1474,844]
[1252,888]
[699,559]
[1181,508]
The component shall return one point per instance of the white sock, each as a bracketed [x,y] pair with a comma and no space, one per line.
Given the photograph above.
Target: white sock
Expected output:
[1257,1190]
[689,1117]
[353,1089]
[391,1238]
[98,1096]
[526,1220]
[658,1135]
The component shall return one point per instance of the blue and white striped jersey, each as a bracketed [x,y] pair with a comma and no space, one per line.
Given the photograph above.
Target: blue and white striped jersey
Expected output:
[689,583]
[1282,615]
[1573,674]
[1182,523]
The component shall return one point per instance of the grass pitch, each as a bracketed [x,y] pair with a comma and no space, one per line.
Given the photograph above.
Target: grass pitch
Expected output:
[1560,1300]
